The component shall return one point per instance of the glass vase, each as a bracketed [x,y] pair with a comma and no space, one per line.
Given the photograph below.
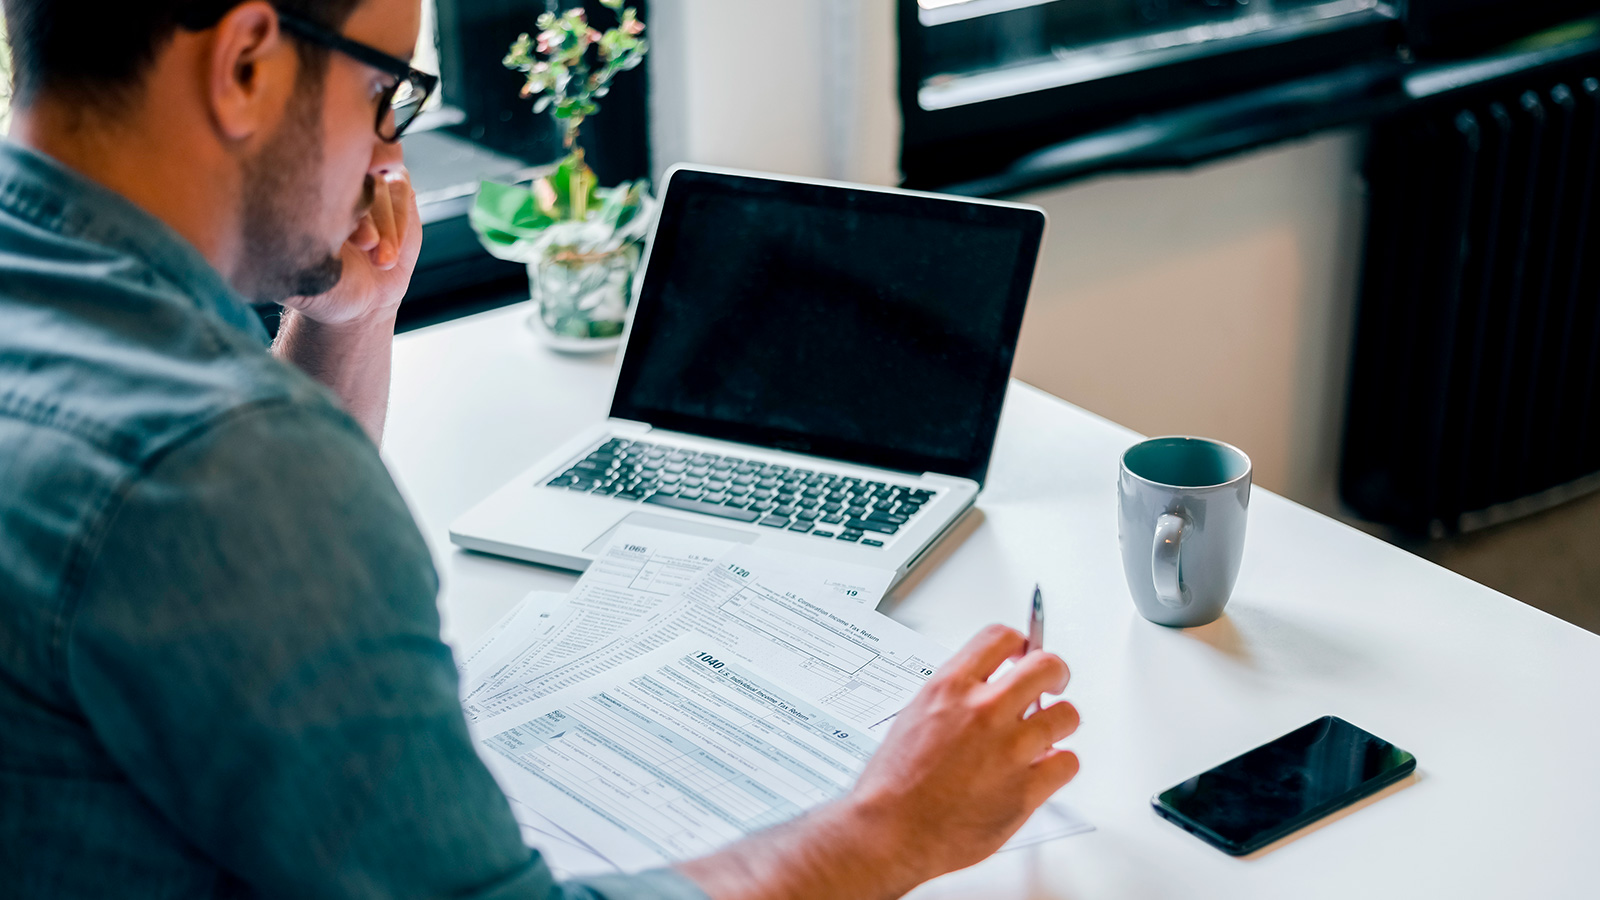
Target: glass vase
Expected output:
[582,299]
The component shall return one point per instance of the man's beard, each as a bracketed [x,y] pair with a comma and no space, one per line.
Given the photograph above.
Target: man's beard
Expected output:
[282,194]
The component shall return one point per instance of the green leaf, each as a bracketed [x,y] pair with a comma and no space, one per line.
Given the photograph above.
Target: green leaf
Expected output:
[504,215]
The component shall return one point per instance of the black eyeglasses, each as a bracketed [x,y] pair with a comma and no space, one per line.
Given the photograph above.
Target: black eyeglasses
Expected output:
[401,101]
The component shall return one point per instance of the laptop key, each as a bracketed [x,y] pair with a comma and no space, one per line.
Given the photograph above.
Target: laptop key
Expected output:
[869,525]
[628,495]
[824,534]
[833,518]
[710,509]
[775,522]
[850,536]
[869,542]
[801,527]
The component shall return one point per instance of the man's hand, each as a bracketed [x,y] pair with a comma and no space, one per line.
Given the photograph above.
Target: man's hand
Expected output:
[343,338]
[960,771]
[379,259]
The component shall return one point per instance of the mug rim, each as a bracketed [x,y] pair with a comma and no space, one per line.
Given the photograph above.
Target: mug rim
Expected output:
[1249,464]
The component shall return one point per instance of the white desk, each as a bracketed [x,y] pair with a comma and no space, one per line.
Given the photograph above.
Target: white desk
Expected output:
[1497,700]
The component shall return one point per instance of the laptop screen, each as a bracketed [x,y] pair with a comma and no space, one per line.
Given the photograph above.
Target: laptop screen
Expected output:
[870,326]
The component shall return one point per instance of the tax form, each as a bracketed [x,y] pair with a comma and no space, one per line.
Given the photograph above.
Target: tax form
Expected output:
[681,751]
[636,572]
[807,628]
[525,622]
[676,753]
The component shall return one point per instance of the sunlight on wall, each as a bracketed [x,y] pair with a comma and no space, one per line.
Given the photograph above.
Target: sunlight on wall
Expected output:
[5,81]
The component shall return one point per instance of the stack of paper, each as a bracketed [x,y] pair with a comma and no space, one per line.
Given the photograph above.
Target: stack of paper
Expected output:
[689,692]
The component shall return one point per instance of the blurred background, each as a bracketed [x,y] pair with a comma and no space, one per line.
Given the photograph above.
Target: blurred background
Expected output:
[1352,237]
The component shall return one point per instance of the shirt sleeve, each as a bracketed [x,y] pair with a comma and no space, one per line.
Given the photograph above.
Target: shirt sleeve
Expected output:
[256,643]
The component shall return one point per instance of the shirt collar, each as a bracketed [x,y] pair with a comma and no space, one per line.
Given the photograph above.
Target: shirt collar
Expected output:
[47,194]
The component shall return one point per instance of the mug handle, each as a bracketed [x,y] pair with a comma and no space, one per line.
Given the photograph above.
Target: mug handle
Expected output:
[1164,556]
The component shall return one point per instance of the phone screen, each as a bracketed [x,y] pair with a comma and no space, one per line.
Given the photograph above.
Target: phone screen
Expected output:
[1251,800]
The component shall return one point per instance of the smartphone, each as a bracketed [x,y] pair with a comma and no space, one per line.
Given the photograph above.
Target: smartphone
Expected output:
[1252,800]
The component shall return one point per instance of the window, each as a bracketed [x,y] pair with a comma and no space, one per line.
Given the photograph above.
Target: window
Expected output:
[985,82]
[975,50]
[986,86]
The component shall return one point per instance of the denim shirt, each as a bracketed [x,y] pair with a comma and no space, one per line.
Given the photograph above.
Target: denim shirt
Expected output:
[220,665]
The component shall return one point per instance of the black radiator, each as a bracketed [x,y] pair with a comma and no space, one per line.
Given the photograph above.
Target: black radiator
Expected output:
[1475,383]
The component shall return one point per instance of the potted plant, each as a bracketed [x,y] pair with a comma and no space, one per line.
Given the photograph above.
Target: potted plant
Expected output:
[580,242]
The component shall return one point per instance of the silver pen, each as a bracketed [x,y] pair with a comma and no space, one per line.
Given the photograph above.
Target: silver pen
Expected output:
[1035,635]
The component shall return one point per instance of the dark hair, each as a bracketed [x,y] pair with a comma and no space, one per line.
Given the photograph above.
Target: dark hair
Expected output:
[99,50]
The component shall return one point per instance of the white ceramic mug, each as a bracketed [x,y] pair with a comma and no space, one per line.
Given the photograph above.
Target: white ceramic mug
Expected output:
[1182,504]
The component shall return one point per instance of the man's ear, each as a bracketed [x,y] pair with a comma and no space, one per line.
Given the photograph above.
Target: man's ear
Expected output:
[251,71]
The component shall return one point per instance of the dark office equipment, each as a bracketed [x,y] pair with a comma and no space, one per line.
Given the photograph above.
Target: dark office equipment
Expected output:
[1475,389]
[1444,28]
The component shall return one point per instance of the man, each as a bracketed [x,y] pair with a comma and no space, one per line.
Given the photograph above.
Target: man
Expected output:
[220,672]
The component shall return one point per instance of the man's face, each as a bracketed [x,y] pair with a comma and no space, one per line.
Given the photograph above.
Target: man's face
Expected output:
[312,181]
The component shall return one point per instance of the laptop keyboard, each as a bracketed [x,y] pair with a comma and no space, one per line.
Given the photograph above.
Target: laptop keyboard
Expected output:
[828,506]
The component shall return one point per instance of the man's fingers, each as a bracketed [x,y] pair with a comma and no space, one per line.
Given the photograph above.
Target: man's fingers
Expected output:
[403,198]
[408,220]
[1037,673]
[1053,723]
[387,252]
[365,237]
[985,652]
[1051,773]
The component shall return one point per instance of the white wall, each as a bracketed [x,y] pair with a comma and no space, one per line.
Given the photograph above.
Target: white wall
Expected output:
[1217,301]
[805,87]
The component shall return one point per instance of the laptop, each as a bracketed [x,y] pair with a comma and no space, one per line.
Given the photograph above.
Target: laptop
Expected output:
[811,366]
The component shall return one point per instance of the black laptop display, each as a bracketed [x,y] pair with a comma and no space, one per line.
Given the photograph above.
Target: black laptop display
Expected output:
[866,326]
